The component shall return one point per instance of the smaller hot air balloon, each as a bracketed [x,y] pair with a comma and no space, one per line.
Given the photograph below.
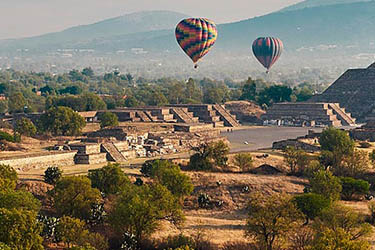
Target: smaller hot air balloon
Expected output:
[196,36]
[267,50]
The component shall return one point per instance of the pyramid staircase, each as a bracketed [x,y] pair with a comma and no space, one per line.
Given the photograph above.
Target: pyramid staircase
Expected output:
[182,115]
[225,116]
[113,154]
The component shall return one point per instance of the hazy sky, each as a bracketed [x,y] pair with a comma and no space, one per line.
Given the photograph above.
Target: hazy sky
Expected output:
[20,18]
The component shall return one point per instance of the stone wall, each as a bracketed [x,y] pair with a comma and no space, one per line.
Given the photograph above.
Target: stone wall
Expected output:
[41,161]
[90,159]
[281,145]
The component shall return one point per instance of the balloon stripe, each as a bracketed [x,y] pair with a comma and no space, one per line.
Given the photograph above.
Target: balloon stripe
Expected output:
[196,36]
[267,50]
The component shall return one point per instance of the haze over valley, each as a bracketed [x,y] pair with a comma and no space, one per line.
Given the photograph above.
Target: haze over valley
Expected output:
[321,39]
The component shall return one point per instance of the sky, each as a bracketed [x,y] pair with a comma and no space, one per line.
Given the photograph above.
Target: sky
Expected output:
[24,18]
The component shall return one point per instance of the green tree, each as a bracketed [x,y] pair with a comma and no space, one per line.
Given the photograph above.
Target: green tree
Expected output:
[337,239]
[274,94]
[325,184]
[170,176]
[109,179]
[52,175]
[193,92]
[74,196]
[244,161]
[303,94]
[93,102]
[4,247]
[351,187]
[25,126]
[16,103]
[340,218]
[88,72]
[336,140]
[354,164]
[296,159]
[249,90]
[19,229]
[62,121]
[108,119]
[208,156]
[8,177]
[131,101]
[11,199]
[270,218]
[139,210]
[71,231]
[311,205]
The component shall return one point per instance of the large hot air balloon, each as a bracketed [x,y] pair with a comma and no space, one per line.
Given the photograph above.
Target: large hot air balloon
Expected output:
[267,50]
[196,36]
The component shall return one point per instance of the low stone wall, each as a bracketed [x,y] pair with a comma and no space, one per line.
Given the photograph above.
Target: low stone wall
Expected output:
[90,159]
[363,134]
[281,145]
[86,148]
[41,161]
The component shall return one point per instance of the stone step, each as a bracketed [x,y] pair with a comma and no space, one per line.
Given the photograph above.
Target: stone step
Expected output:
[113,153]
[228,118]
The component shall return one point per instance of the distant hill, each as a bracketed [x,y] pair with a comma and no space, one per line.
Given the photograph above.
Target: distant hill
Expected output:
[335,25]
[139,22]
[318,3]
[317,37]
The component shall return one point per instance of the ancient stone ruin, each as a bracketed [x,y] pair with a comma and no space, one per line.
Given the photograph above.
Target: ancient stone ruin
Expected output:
[181,113]
[308,114]
[354,90]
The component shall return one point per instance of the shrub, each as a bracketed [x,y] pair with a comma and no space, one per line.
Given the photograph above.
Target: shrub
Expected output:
[62,121]
[8,177]
[71,231]
[336,140]
[25,126]
[244,161]
[340,220]
[140,209]
[19,229]
[109,179]
[354,164]
[296,159]
[274,215]
[325,184]
[108,119]
[208,156]
[311,204]
[7,137]
[170,176]
[351,187]
[74,196]
[313,167]
[371,208]
[365,144]
[10,199]
[52,175]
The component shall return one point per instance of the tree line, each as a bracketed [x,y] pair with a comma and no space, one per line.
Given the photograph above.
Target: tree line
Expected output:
[85,91]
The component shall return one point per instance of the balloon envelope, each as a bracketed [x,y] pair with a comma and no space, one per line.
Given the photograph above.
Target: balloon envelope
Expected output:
[267,50]
[196,36]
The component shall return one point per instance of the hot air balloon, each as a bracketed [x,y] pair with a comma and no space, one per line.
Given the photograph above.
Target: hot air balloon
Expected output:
[267,50]
[196,36]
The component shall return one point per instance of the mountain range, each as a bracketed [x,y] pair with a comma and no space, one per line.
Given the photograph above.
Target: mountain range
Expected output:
[317,3]
[326,31]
